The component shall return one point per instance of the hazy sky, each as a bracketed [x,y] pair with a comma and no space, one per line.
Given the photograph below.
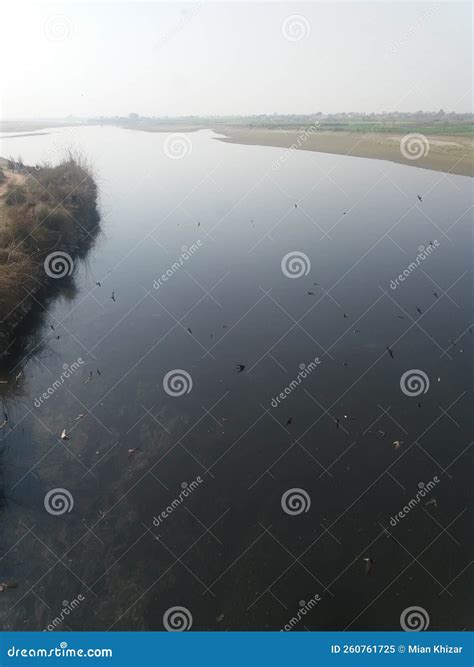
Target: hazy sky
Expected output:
[233,58]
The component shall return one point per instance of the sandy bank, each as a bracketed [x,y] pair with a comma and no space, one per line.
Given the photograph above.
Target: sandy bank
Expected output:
[447,153]
[31,125]
[452,154]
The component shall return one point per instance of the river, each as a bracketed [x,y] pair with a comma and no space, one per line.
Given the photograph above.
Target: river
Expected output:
[240,494]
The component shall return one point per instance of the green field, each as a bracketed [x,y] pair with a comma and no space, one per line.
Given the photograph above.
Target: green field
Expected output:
[385,127]
[399,128]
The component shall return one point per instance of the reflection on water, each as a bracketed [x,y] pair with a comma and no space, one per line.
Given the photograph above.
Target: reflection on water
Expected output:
[29,341]
[142,535]
[30,345]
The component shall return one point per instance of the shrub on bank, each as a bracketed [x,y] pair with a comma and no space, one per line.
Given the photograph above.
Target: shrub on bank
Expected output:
[52,209]
[15,195]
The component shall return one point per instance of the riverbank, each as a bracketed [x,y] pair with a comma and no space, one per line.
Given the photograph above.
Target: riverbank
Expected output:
[447,147]
[449,153]
[453,154]
[47,215]
[32,125]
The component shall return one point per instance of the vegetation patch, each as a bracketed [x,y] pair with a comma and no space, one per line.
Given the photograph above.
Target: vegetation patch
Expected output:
[43,210]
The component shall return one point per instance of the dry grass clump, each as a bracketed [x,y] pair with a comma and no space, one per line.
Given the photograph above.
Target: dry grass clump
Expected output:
[70,185]
[15,194]
[52,209]
[17,278]
[39,229]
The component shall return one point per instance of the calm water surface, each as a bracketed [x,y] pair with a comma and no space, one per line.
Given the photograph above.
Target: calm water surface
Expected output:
[228,552]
